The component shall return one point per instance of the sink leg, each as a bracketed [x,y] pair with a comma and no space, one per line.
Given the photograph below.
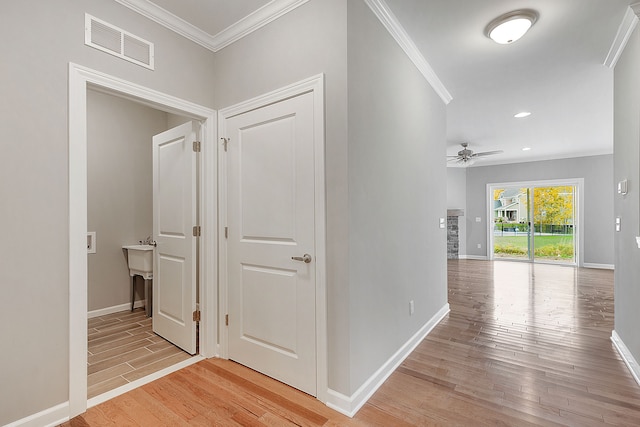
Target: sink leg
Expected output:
[147,297]
[133,291]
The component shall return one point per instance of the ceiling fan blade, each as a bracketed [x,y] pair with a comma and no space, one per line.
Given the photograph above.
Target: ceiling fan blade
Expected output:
[453,159]
[487,153]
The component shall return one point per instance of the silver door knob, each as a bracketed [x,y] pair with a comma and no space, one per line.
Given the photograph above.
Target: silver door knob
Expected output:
[306,258]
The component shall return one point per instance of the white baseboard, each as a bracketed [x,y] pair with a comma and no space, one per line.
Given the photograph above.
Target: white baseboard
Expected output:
[114,309]
[53,416]
[626,355]
[476,257]
[600,266]
[60,413]
[349,405]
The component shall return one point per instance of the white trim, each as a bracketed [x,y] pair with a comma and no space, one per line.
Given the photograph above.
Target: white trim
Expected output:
[250,23]
[599,266]
[53,416]
[314,85]
[391,23]
[81,78]
[626,356]
[475,257]
[94,401]
[114,309]
[349,405]
[254,21]
[578,204]
[626,28]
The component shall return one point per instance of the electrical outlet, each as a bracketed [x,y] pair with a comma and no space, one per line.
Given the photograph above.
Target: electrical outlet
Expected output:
[478,219]
[479,246]
[411,307]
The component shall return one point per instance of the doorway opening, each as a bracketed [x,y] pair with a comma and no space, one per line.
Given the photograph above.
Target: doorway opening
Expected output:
[123,341]
[535,221]
[80,80]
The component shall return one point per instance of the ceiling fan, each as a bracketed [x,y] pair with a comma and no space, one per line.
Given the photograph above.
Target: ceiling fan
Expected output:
[468,157]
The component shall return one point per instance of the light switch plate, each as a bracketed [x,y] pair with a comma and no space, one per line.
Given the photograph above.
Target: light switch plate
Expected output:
[478,219]
[442,223]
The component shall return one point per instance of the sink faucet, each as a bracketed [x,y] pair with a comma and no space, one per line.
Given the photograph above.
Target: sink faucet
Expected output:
[147,241]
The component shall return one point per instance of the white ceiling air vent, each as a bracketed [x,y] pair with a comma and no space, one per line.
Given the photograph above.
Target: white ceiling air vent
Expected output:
[111,39]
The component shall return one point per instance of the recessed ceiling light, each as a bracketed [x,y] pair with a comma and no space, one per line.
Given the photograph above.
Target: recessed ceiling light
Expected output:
[522,114]
[507,28]
[526,149]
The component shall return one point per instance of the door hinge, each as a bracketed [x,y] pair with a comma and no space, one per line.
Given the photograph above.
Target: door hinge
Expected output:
[225,141]
[226,232]
[196,146]
[196,316]
[196,231]
[226,320]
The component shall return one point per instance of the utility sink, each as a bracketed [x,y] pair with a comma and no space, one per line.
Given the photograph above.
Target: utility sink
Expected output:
[140,260]
[140,263]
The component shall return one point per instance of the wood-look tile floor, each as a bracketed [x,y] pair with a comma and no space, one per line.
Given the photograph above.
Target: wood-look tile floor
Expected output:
[524,345]
[123,348]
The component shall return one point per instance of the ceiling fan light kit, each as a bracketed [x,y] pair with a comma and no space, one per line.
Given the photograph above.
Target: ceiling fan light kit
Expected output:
[467,157]
[511,26]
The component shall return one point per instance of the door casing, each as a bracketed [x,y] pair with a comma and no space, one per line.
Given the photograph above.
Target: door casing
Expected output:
[316,86]
[578,183]
[80,79]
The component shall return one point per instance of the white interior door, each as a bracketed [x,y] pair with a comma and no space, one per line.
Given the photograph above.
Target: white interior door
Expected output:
[174,216]
[270,196]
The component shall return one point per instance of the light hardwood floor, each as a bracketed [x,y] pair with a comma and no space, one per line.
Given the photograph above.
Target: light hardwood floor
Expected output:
[524,345]
[123,348]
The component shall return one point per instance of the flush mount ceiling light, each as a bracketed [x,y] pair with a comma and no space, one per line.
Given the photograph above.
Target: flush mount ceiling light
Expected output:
[522,115]
[511,26]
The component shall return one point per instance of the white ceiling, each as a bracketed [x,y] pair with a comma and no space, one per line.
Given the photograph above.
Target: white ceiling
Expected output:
[211,16]
[555,71]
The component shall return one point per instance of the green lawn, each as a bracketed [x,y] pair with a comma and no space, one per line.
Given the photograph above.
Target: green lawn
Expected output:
[558,247]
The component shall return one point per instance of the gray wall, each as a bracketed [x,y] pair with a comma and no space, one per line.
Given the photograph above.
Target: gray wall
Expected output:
[397,251]
[41,38]
[626,166]
[598,221]
[457,199]
[120,202]
[305,42]
[374,206]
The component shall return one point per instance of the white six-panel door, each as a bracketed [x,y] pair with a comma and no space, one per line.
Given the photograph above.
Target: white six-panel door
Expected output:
[174,215]
[271,261]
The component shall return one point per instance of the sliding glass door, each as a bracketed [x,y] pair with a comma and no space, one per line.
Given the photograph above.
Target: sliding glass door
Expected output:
[534,223]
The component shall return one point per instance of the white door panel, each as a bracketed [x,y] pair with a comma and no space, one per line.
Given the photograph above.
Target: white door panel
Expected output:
[174,215]
[271,218]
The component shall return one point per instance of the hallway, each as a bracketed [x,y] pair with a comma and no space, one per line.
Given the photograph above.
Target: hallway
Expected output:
[524,345]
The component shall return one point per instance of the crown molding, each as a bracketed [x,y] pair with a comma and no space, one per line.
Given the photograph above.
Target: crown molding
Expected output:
[250,23]
[258,19]
[391,23]
[626,28]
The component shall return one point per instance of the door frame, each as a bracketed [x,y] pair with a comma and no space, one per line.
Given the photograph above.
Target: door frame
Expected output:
[80,79]
[314,85]
[578,206]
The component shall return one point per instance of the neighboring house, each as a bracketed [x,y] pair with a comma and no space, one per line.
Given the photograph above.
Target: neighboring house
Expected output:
[511,206]
[383,200]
